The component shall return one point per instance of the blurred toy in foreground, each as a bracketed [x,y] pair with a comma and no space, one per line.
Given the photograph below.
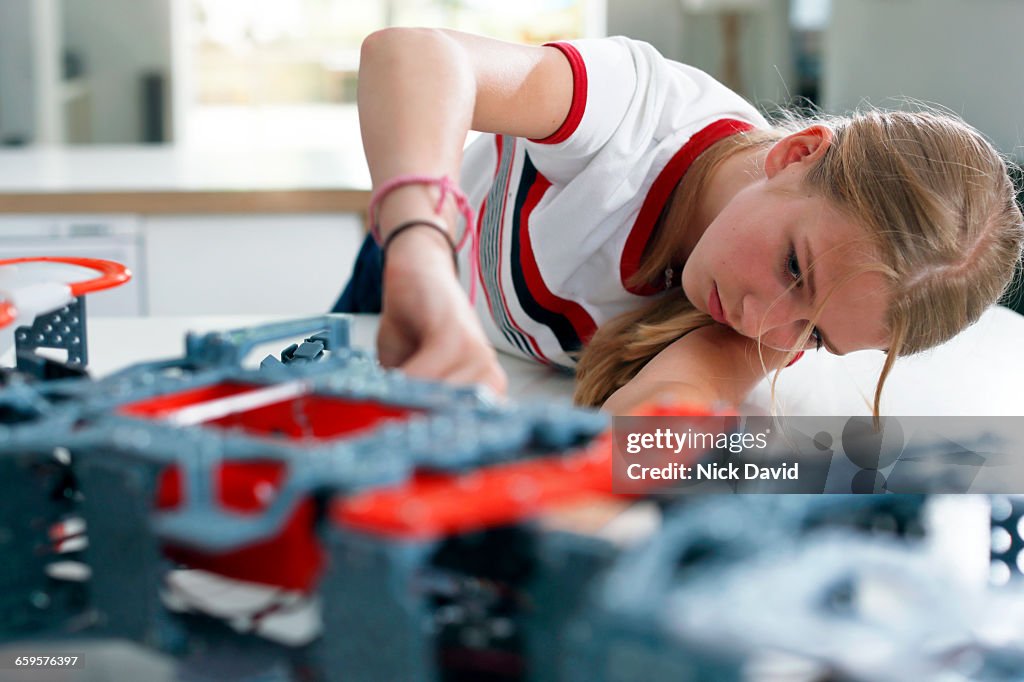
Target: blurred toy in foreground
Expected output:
[323,518]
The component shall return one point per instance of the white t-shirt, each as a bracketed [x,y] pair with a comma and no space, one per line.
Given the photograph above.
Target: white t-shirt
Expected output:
[563,221]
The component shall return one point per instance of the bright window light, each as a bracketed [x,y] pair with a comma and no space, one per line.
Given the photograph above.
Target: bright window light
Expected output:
[283,72]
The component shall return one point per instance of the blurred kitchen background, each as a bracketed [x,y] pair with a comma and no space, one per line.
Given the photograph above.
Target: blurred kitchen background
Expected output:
[214,146]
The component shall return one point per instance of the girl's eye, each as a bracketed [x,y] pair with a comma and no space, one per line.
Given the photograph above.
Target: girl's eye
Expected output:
[793,265]
[816,337]
[793,268]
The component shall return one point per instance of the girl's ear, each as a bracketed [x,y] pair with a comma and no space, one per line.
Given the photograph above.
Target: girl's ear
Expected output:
[804,147]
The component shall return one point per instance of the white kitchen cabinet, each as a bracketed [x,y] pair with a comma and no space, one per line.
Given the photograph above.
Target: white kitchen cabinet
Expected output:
[248,264]
[202,264]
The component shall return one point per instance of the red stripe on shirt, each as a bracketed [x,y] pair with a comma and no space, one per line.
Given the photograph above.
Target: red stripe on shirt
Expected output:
[661,190]
[579,95]
[578,317]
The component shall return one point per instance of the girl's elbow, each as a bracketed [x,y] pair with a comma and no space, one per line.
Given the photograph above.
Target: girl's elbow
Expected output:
[386,42]
[376,43]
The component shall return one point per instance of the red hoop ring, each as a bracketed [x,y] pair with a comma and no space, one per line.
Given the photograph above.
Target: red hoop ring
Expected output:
[112,274]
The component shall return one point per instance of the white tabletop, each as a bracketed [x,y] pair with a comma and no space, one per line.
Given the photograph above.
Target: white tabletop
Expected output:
[117,342]
[977,373]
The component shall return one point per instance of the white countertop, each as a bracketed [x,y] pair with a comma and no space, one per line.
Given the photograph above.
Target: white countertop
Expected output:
[164,168]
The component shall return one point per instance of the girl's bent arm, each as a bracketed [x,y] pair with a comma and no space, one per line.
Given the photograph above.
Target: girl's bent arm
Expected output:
[710,365]
[420,91]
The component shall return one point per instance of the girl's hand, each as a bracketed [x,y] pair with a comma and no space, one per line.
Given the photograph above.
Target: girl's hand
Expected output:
[427,326]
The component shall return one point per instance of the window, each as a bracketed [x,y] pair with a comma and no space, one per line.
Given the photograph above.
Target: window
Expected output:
[283,72]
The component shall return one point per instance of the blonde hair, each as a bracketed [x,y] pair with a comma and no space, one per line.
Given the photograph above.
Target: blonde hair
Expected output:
[937,201]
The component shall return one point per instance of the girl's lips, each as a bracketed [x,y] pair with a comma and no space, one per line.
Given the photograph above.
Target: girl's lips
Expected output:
[715,306]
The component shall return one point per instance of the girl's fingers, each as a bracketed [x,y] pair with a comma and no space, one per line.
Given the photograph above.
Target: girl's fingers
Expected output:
[438,361]
[390,353]
[490,375]
[430,361]
[394,345]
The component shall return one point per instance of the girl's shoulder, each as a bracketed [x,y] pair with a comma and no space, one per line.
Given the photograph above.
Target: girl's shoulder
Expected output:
[717,360]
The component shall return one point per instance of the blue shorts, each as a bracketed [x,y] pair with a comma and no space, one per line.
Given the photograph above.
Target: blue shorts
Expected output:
[363,292]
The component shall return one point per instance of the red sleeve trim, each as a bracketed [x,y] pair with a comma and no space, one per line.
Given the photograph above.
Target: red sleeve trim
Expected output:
[579,95]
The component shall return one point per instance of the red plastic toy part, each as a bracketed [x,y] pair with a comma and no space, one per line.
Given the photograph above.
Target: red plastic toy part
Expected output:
[7,313]
[111,274]
[429,505]
[296,416]
[432,505]
[292,559]
[436,505]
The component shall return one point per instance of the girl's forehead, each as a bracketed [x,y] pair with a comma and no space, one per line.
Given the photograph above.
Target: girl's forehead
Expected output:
[855,297]
[835,228]
[856,316]
[848,277]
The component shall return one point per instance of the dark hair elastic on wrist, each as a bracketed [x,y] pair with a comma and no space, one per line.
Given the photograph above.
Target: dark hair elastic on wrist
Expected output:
[420,222]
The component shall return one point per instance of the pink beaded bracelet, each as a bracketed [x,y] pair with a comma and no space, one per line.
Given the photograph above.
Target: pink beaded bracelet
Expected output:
[446,186]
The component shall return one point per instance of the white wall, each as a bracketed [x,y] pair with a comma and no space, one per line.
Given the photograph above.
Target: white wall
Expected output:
[963,54]
[17,112]
[695,37]
[118,40]
[659,22]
